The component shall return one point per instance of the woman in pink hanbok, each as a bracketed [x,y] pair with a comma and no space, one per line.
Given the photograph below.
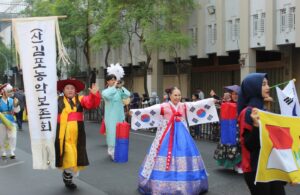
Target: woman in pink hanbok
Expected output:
[173,164]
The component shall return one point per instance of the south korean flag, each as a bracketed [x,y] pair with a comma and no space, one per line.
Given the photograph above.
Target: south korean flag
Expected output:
[288,100]
[202,111]
[146,117]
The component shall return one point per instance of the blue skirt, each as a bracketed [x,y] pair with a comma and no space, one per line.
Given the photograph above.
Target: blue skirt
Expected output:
[187,174]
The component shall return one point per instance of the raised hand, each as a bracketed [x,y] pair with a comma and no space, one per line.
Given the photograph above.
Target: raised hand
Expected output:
[94,89]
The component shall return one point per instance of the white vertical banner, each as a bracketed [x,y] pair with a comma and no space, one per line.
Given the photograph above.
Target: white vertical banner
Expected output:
[36,45]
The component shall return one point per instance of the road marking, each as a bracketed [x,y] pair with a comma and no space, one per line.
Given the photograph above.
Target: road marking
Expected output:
[11,164]
[143,134]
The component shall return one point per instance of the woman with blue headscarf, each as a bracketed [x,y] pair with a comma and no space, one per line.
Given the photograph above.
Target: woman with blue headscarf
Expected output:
[254,90]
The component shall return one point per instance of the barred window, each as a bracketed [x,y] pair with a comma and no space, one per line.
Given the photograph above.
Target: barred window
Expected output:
[283,24]
[262,24]
[194,35]
[236,30]
[229,30]
[212,33]
[255,25]
[259,24]
[291,18]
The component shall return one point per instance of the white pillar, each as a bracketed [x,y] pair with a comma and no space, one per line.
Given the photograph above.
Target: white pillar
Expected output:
[247,55]
[220,16]
[271,25]
[297,24]
[155,82]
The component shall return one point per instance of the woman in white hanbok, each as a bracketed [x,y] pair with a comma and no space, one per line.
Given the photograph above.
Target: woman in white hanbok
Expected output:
[173,164]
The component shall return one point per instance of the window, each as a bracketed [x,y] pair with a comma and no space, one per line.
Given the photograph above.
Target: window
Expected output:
[255,25]
[283,24]
[287,19]
[214,34]
[194,36]
[236,29]
[233,29]
[229,30]
[291,18]
[262,24]
[259,24]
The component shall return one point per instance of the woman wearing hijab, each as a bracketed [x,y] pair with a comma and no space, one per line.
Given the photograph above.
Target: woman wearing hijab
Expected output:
[254,90]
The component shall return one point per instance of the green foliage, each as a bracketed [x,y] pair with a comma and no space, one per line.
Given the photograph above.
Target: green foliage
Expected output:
[157,23]
[75,28]
[5,58]
[110,29]
[160,22]
[72,27]
[74,70]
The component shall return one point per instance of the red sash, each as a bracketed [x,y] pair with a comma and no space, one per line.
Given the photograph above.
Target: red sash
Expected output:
[171,123]
[72,116]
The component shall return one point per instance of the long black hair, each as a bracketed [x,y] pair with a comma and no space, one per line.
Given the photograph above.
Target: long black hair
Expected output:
[110,77]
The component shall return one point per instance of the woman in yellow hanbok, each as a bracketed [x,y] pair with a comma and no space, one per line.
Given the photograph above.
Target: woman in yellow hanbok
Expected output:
[70,143]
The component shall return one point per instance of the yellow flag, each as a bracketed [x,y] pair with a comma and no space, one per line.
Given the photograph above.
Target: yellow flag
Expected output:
[6,122]
[279,157]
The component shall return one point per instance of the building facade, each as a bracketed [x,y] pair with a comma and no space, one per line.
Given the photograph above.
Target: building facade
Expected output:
[230,39]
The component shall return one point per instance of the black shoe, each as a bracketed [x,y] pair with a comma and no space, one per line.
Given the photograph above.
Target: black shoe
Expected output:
[67,178]
[71,186]
[12,157]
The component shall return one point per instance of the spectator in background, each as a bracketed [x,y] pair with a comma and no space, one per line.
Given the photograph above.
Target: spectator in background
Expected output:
[145,100]
[195,97]
[5,78]
[19,94]
[154,99]
[135,101]
[200,94]
[213,94]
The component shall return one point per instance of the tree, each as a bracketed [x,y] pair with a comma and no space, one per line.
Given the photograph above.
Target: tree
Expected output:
[5,59]
[156,23]
[110,31]
[75,28]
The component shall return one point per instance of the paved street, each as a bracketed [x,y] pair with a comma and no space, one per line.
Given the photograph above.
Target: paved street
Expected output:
[103,176]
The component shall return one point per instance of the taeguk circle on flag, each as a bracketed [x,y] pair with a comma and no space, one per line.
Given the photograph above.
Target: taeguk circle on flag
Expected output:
[145,118]
[201,113]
